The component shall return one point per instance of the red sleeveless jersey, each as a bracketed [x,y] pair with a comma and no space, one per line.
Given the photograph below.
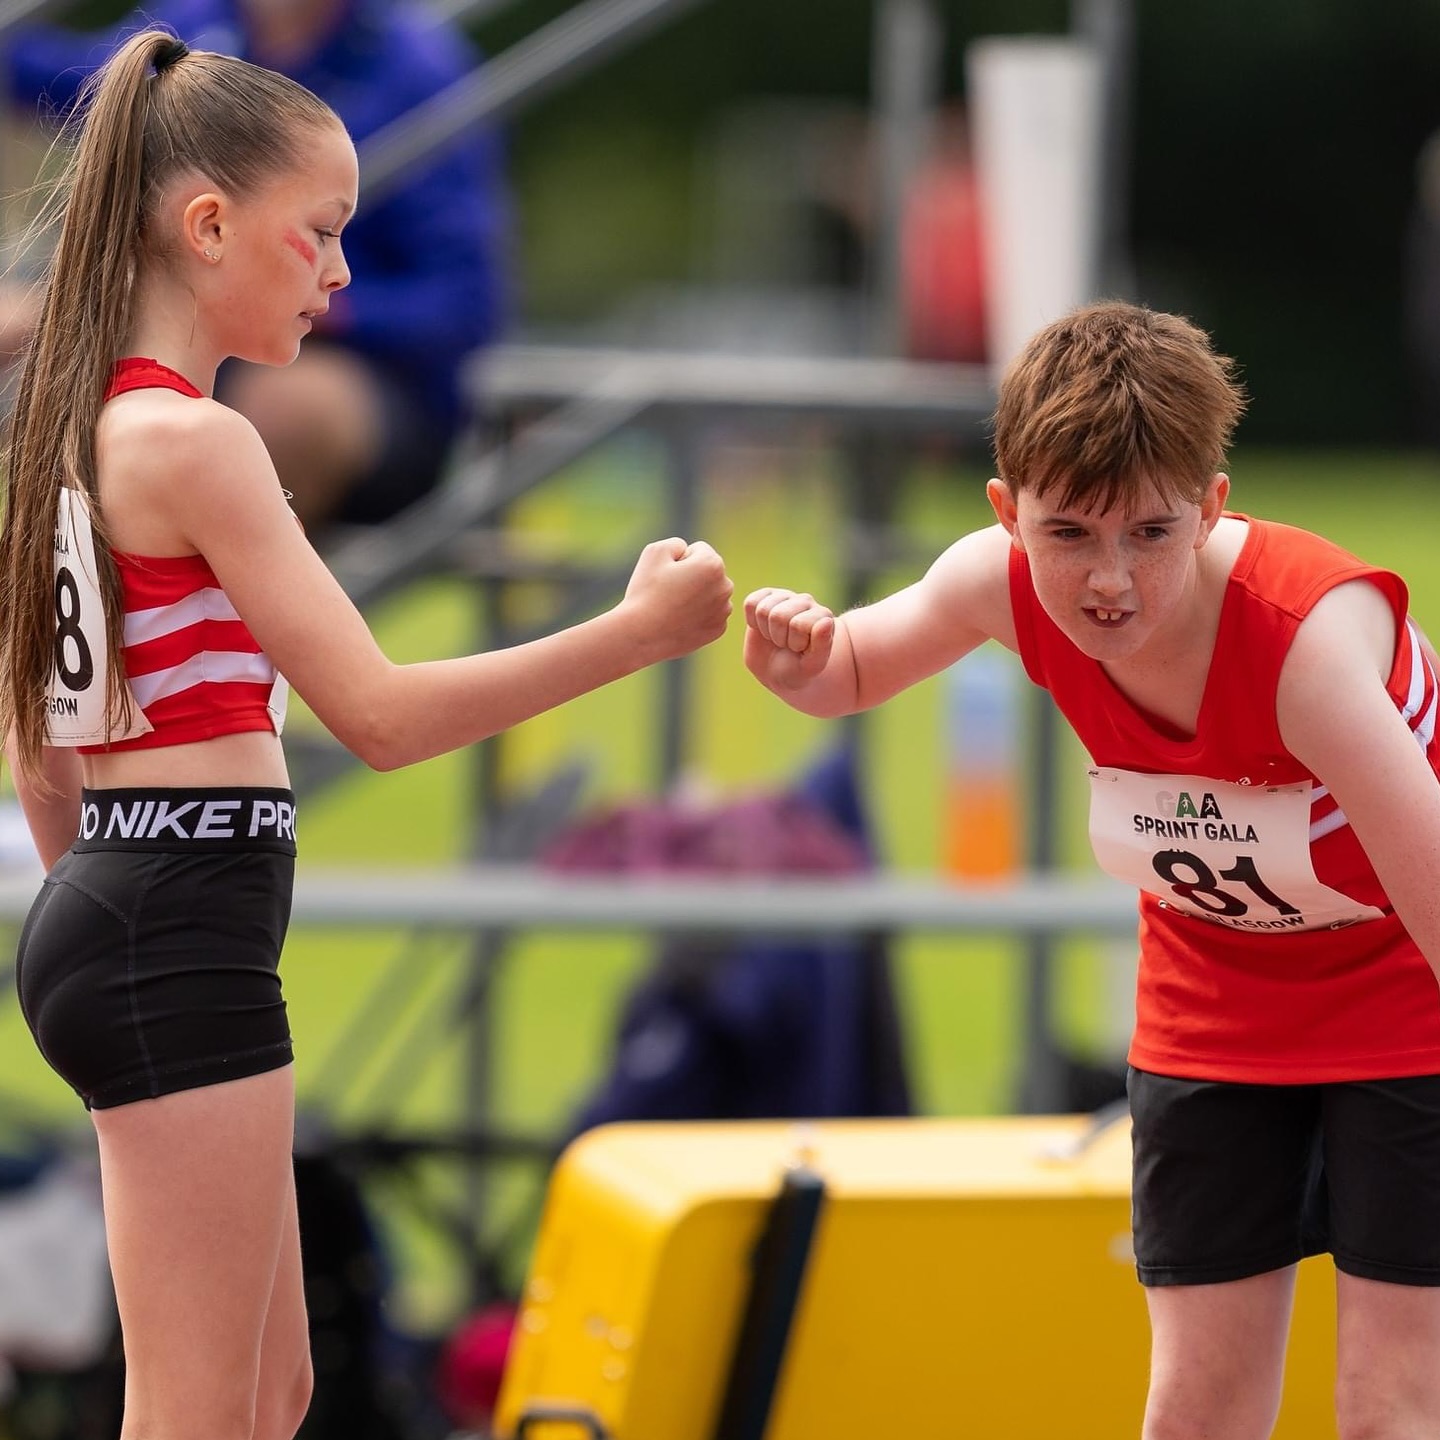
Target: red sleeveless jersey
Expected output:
[192,665]
[1277,1007]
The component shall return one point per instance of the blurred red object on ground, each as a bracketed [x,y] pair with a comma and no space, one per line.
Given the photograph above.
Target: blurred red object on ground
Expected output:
[472,1364]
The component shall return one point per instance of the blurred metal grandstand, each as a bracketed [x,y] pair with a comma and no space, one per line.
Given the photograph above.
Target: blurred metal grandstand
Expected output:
[575,398]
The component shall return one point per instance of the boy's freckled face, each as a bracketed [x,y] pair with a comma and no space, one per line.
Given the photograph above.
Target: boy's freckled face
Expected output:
[1111,579]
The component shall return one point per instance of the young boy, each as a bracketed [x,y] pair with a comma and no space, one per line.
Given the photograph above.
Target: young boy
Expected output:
[1260,715]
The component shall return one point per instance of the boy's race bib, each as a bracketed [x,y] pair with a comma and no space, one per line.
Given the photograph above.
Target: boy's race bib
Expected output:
[1235,854]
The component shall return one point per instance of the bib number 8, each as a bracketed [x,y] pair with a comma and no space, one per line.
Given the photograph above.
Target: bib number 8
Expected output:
[68,633]
[1203,891]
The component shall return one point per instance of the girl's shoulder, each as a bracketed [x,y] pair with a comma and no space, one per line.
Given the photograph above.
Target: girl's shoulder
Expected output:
[156,426]
[159,454]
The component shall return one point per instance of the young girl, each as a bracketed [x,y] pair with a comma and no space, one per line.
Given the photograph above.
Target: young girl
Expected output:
[1260,712]
[154,588]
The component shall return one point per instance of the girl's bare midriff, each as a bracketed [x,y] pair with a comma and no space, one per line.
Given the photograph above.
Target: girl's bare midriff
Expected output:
[251,758]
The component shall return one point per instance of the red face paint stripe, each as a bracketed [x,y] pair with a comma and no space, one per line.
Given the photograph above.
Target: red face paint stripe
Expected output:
[306,252]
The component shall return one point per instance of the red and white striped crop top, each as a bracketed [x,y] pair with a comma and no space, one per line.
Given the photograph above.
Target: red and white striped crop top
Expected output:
[192,666]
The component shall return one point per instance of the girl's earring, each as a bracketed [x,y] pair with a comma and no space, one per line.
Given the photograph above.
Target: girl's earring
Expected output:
[211,255]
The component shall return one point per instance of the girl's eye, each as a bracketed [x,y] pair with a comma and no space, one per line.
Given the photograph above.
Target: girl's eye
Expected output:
[326,234]
[1153,532]
[1067,532]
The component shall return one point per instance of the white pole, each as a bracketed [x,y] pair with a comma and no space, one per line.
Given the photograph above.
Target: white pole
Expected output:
[1036,110]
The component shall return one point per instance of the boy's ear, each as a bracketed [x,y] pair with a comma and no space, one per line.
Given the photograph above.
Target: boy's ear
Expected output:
[1212,505]
[1002,502]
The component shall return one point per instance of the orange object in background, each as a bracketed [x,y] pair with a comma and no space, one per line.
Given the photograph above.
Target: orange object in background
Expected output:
[982,829]
[980,826]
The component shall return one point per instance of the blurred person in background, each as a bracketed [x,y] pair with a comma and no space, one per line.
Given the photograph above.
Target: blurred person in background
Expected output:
[943,261]
[361,424]
[1422,293]
[18,313]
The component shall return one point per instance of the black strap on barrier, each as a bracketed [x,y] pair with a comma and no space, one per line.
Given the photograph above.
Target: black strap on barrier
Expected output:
[537,1415]
[778,1272]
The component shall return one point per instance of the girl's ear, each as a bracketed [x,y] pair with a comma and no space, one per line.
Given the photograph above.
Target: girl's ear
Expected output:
[1002,502]
[203,226]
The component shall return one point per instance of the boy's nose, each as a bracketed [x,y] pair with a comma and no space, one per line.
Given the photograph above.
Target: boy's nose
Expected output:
[1110,577]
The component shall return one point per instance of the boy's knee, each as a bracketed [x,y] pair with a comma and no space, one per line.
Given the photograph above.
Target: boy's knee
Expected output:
[1185,1418]
[1367,1409]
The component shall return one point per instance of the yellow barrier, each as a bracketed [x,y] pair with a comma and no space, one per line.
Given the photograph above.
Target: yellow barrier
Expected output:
[963,1278]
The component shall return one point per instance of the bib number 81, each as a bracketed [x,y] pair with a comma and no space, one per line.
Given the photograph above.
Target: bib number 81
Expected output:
[1193,880]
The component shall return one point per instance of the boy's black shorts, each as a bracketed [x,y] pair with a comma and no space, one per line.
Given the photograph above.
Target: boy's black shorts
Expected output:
[1235,1180]
[149,961]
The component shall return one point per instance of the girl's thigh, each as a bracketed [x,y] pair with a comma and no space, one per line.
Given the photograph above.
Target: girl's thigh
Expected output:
[198,1206]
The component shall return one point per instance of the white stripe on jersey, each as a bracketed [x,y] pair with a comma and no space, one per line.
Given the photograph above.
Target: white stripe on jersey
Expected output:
[1420,674]
[1418,667]
[208,604]
[1419,671]
[219,667]
[1327,825]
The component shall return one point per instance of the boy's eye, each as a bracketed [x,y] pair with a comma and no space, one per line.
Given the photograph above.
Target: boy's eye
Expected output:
[1153,532]
[1067,532]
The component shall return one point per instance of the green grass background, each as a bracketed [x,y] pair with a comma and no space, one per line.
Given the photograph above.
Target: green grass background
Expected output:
[779,517]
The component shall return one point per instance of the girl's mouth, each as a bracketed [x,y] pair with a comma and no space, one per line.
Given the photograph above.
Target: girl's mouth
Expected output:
[1109,618]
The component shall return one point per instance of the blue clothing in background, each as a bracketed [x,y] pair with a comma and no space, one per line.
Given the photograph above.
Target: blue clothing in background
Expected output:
[428,260]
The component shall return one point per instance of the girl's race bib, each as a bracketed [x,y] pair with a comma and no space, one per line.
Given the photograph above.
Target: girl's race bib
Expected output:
[75,697]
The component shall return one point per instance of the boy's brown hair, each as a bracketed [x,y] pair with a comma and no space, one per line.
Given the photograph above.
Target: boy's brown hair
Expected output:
[1113,397]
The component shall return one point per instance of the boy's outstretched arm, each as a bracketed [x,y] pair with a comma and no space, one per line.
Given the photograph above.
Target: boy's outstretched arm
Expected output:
[828,665]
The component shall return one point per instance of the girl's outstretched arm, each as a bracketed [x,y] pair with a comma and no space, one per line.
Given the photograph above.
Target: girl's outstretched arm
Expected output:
[208,471]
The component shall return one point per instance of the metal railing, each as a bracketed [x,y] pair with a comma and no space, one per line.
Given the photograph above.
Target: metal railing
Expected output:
[568,46]
[16,12]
